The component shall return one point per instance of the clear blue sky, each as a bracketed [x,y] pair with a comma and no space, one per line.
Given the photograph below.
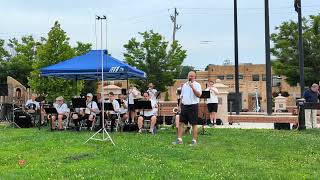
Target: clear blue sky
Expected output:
[200,19]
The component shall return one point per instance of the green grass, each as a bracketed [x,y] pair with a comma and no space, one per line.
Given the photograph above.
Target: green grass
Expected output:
[225,154]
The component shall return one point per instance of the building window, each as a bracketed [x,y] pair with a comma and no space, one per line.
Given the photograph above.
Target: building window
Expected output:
[276,81]
[255,77]
[18,93]
[240,76]
[264,77]
[221,77]
[229,76]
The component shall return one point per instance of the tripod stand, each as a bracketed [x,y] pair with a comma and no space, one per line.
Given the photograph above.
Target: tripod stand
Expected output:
[205,95]
[107,107]
[11,122]
[103,64]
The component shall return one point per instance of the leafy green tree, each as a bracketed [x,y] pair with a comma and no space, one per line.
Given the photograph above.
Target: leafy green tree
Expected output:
[88,86]
[4,56]
[161,62]
[286,55]
[19,66]
[82,48]
[184,72]
[55,49]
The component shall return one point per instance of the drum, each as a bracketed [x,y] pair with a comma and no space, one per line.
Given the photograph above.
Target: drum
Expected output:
[22,119]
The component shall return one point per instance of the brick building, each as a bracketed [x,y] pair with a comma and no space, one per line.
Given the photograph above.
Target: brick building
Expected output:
[252,77]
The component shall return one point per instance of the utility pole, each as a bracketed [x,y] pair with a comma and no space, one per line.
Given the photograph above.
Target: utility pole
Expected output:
[268,59]
[236,58]
[302,123]
[297,6]
[176,27]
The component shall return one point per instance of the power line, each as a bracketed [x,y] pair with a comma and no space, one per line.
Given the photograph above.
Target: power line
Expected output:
[245,8]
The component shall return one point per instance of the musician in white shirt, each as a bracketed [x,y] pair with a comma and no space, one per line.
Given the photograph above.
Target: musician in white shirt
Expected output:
[90,111]
[32,103]
[190,94]
[123,108]
[149,114]
[212,102]
[62,110]
[133,94]
[113,115]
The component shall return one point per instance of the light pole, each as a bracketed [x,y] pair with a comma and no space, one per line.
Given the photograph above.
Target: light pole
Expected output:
[297,6]
[268,61]
[236,58]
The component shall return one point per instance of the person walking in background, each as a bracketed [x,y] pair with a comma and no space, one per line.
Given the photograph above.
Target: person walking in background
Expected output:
[212,102]
[311,96]
[190,94]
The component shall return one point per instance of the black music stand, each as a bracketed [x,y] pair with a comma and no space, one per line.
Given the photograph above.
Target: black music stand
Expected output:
[143,104]
[109,107]
[204,95]
[40,99]
[51,110]
[78,102]
[11,120]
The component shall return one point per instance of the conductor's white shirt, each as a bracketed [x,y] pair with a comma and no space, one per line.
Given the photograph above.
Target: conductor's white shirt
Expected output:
[187,95]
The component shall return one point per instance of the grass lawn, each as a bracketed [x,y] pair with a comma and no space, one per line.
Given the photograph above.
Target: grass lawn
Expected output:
[225,154]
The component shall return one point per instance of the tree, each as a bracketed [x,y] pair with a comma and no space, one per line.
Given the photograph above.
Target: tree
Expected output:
[285,50]
[161,63]
[88,86]
[19,66]
[184,72]
[4,56]
[55,49]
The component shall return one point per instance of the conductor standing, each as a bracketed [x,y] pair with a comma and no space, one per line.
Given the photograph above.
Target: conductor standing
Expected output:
[190,94]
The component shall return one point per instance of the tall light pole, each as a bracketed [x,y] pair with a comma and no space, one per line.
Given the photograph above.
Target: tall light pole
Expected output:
[236,58]
[297,5]
[268,61]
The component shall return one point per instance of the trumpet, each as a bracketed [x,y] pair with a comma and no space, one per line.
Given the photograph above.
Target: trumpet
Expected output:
[175,110]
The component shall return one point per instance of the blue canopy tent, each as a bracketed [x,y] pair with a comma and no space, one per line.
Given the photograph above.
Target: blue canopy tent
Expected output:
[89,67]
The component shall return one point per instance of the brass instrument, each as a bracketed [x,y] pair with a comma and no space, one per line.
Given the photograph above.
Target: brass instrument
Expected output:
[175,110]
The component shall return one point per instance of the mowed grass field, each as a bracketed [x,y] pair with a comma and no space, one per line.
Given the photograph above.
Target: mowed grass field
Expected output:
[224,154]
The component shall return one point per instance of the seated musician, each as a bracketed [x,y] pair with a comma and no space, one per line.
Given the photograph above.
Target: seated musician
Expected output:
[112,115]
[149,114]
[123,108]
[62,110]
[90,111]
[32,105]
[99,102]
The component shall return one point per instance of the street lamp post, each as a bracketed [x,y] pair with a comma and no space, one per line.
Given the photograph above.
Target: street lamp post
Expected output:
[268,61]
[236,58]
[297,6]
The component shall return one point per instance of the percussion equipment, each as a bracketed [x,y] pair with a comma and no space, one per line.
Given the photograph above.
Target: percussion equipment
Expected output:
[22,119]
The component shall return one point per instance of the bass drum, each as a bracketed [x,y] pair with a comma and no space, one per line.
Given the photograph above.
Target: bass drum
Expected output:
[23,119]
